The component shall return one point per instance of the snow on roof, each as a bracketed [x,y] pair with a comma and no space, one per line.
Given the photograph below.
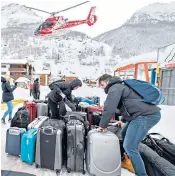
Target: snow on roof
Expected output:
[45,72]
[147,57]
[71,75]
[14,61]
[22,79]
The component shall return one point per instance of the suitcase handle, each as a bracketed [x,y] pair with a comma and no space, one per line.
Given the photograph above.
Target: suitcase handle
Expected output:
[162,138]
[33,133]
[44,129]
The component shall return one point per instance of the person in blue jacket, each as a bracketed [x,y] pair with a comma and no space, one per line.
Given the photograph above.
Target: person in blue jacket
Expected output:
[7,97]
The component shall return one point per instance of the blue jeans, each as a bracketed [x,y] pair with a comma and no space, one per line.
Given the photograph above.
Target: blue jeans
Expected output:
[9,110]
[133,133]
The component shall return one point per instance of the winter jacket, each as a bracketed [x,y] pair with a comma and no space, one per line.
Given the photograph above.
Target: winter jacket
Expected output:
[119,96]
[7,94]
[35,89]
[62,87]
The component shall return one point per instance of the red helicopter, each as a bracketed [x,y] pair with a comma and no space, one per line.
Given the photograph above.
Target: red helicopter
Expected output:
[59,22]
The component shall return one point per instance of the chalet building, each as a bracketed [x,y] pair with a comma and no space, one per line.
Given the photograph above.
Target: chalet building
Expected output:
[44,77]
[16,68]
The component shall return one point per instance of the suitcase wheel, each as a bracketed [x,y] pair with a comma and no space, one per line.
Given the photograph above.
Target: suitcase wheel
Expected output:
[36,165]
[84,172]
[68,170]
[58,171]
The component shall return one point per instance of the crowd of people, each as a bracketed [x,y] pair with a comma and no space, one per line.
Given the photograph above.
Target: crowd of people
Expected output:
[139,117]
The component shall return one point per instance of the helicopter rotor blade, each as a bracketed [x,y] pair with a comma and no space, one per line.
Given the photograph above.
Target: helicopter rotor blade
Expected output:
[70,8]
[39,10]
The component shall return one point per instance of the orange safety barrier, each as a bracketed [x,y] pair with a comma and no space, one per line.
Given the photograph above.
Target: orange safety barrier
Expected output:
[135,67]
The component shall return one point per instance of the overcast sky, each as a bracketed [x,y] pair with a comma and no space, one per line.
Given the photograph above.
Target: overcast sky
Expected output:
[111,13]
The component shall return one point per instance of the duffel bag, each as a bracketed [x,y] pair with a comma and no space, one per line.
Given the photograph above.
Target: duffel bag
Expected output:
[161,146]
[154,164]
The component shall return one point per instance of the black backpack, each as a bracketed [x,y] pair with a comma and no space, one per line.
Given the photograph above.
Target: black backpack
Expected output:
[21,118]
[163,147]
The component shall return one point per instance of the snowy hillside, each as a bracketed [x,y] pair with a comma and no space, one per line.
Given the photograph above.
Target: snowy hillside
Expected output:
[64,53]
[155,13]
[149,28]
[13,15]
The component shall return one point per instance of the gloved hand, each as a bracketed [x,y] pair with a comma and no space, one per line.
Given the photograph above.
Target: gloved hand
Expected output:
[16,83]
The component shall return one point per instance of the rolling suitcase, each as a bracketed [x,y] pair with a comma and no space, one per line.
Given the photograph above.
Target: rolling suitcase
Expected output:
[108,162]
[49,146]
[13,173]
[13,140]
[42,109]
[75,144]
[28,145]
[37,123]
[117,131]
[32,109]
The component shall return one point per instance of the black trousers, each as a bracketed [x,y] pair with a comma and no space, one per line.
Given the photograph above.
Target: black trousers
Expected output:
[57,113]
[54,110]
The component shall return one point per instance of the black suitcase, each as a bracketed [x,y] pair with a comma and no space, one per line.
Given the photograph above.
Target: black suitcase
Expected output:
[117,131]
[49,145]
[154,164]
[75,144]
[161,146]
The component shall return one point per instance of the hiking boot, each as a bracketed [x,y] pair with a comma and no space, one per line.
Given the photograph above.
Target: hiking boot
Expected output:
[3,121]
[127,164]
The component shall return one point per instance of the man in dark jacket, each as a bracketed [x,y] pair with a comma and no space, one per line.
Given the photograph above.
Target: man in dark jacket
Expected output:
[140,117]
[36,91]
[7,97]
[62,91]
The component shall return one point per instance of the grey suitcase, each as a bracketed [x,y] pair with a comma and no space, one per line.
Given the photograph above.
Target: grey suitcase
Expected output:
[103,154]
[75,146]
[13,140]
[13,173]
[49,146]
[37,123]
[42,109]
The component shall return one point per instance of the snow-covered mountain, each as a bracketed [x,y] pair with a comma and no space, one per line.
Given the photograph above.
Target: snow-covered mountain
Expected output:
[149,28]
[14,15]
[74,52]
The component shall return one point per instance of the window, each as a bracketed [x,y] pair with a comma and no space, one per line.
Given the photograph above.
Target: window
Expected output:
[47,24]
[3,73]
[3,66]
[13,66]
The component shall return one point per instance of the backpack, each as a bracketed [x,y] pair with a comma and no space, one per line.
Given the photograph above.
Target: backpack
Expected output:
[149,93]
[21,118]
